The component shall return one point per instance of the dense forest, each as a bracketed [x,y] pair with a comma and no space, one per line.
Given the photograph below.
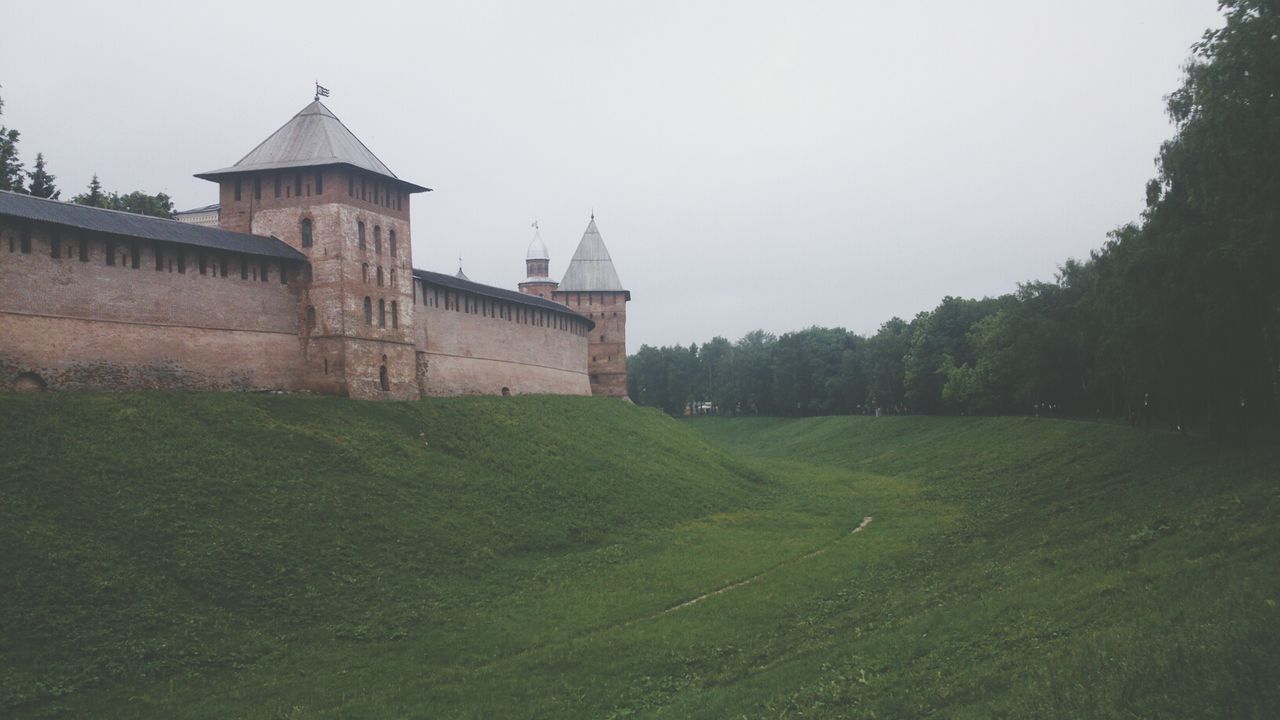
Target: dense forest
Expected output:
[1176,316]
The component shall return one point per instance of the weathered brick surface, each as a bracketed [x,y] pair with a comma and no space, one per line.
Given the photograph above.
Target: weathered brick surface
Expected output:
[607,349]
[87,324]
[469,353]
[65,323]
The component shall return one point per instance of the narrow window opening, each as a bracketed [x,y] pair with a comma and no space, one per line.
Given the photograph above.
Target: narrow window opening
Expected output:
[391,241]
[277,183]
[111,253]
[326,366]
[351,184]
[320,183]
[364,272]
[360,235]
[84,249]
[395,314]
[297,184]
[306,232]
[237,186]
[135,254]
[383,380]
[311,318]
[368,311]
[382,313]
[257,188]
[159,257]
[379,276]
[377,240]
[244,268]
[284,273]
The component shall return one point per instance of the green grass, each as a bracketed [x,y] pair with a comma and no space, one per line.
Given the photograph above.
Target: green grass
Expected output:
[213,556]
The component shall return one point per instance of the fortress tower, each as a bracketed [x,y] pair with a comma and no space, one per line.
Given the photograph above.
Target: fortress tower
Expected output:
[537,264]
[591,288]
[315,186]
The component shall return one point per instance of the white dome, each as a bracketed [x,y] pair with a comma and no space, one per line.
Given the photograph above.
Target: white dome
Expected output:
[537,248]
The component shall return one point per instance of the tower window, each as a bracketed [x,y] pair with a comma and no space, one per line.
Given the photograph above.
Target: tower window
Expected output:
[395,314]
[237,189]
[306,232]
[297,184]
[382,313]
[360,234]
[383,381]
[368,311]
[311,317]
[379,276]
[111,253]
[257,188]
[377,239]
[364,272]
[277,177]
[393,277]
[391,241]
[319,182]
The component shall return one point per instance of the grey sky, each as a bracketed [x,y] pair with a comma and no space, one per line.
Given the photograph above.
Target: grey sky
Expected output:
[751,165]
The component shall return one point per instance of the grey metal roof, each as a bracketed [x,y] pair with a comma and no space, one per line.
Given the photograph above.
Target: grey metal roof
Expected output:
[537,248]
[115,222]
[313,137]
[204,209]
[457,283]
[591,269]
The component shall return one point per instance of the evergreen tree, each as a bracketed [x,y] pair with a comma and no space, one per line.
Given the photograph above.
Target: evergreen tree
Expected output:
[95,197]
[11,175]
[41,181]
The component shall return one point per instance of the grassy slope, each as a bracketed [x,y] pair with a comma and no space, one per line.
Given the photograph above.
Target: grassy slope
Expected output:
[177,537]
[247,556]
[1071,570]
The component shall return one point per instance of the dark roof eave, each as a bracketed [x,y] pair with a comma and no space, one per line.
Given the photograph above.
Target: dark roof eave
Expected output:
[457,283]
[130,225]
[215,175]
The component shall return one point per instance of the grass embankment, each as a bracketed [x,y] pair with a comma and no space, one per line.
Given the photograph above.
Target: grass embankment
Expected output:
[247,556]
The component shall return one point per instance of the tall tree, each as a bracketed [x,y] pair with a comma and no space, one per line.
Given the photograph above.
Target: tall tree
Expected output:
[41,181]
[11,175]
[94,197]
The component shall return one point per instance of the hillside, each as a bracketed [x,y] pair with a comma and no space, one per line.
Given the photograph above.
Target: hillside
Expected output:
[216,556]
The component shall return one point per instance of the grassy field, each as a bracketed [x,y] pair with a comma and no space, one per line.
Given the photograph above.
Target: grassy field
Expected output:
[215,556]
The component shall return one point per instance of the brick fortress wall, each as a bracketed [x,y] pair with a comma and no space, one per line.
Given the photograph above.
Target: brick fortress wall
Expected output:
[85,324]
[474,345]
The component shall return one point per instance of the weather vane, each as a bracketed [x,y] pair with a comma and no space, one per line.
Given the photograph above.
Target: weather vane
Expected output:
[534,225]
[321,91]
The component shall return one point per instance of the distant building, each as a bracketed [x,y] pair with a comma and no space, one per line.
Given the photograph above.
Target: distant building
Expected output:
[299,278]
[206,216]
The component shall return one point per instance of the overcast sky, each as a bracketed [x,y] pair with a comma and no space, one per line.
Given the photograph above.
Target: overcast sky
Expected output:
[751,165]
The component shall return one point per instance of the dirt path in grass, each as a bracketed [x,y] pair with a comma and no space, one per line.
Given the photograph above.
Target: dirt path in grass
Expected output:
[742,583]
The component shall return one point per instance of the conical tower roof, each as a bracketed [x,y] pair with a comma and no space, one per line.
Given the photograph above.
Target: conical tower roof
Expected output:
[591,269]
[313,137]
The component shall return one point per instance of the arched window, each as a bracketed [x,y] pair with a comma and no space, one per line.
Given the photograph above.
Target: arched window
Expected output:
[377,239]
[360,235]
[382,313]
[393,277]
[395,314]
[306,232]
[364,272]
[391,241]
[379,276]
[311,317]
[368,311]
[383,381]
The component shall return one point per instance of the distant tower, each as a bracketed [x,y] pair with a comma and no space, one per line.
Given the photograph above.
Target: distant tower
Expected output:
[537,265]
[591,287]
[314,185]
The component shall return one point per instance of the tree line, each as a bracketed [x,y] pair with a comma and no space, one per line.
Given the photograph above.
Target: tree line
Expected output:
[1176,314]
[39,182]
